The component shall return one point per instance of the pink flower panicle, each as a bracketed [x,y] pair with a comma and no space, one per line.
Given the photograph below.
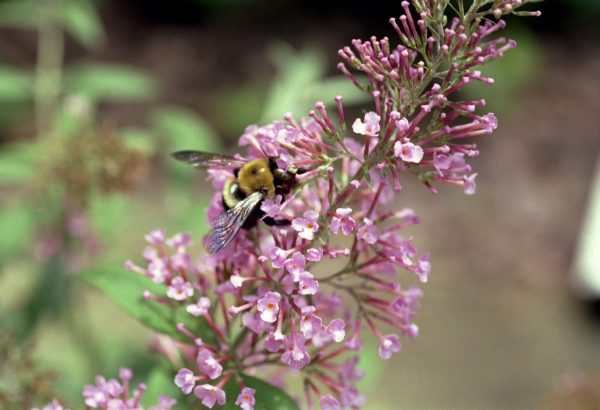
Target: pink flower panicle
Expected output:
[270,294]
[113,394]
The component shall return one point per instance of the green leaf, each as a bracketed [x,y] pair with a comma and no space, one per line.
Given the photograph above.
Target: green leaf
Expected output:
[18,162]
[184,129]
[295,72]
[372,365]
[268,397]
[138,139]
[109,211]
[81,20]
[160,382]
[186,210]
[15,84]
[127,288]
[109,82]
[21,14]
[17,224]
[230,110]
[328,88]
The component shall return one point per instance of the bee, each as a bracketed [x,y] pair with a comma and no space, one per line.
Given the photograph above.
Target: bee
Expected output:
[253,182]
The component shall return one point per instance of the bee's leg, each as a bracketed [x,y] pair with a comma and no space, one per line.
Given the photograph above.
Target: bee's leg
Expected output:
[276,222]
[283,189]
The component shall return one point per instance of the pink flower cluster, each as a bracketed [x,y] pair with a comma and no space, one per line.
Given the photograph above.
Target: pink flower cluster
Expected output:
[271,296]
[114,395]
[412,91]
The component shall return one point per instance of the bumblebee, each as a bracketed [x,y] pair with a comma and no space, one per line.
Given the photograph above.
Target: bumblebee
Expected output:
[253,182]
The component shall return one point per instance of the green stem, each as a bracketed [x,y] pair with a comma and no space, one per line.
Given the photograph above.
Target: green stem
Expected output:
[48,72]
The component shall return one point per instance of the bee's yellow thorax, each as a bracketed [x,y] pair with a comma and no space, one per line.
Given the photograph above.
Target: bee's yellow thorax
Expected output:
[257,176]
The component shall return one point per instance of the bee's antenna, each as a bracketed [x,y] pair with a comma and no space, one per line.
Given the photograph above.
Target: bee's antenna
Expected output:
[263,151]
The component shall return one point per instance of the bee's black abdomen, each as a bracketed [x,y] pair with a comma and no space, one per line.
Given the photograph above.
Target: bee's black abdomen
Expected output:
[253,218]
[276,222]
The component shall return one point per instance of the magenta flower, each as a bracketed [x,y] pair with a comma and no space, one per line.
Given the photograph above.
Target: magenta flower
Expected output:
[349,373]
[253,322]
[314,255]
[350,397]
[236,280]
[423,267]
[368,232]
[469,184]
[199,308]
[408,152]
[274,341]
[490,122]
[156,237]
[246,399]
[328,402]
[179,289]
[95,396]
[114,395]
[343,220]
[210,395]
[180,261]
[369,127]
[307,226]
[268,306]
[402,125]
[54,405]
[336,330]
[179,241]
[158,270]
[278,257]
[296,356]
[310,323]
[388,345]
[164,403]
[295,265]
[185,380]
[208,364]
[308,285]
[272,208]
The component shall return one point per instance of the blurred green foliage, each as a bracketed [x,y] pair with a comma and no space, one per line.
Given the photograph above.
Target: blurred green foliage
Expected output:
[300,80]
[97,82]
[127,290]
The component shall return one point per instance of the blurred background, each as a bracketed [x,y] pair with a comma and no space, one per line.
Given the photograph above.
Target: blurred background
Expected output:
[95,94]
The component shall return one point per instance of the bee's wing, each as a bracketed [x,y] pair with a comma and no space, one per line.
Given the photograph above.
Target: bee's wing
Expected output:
[200,159]
[229,223]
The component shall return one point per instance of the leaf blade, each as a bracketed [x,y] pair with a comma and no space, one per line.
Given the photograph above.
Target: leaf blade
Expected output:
[268,397]
[126,290]
[109,82]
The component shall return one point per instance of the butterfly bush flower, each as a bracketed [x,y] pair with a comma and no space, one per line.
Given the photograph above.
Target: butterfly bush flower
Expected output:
[246,399]
[269,297]
[210,395]
[53,405]
[114,394]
